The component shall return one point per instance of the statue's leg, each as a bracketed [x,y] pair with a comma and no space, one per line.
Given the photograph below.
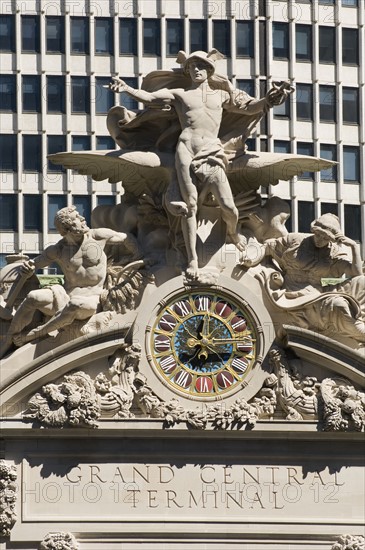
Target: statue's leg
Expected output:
[345,322]
[41,300]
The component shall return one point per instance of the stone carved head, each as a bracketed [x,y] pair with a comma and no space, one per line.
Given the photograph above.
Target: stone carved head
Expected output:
[68,220]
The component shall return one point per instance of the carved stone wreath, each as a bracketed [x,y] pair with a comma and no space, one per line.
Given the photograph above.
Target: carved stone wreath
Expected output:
[8,477]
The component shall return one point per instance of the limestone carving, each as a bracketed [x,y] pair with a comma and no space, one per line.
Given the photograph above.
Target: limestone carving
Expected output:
[59,541]
[8,477]
[73,402]
[306,263]
[349,542]
[343,406]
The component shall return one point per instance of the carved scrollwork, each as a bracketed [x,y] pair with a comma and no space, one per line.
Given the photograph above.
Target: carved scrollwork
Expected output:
[349,542]
[8,477]
[73,402]
[59,541]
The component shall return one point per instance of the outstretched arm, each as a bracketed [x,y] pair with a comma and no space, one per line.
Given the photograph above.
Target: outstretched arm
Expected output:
[275,96]
[118,85]
[114,237]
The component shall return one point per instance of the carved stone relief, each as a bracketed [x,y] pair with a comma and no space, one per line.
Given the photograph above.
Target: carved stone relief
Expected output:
[349,542]
[59,541]
[8,477]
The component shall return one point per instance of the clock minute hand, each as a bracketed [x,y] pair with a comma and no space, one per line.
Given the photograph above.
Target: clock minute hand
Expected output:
[230,340]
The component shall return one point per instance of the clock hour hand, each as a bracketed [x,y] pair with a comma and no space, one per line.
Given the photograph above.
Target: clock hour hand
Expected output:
[215,341]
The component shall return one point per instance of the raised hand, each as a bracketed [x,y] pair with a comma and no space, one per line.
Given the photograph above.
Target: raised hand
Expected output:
[118,85]
[279,93]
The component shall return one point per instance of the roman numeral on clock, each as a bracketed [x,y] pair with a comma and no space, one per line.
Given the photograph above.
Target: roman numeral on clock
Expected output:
[202,303]
[168,364]
[239,364]
[182,308]
[183,379]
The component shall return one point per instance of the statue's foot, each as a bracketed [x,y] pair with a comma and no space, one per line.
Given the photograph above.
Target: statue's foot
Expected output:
[192,271]
[23,338]
[178,208]
[239,240]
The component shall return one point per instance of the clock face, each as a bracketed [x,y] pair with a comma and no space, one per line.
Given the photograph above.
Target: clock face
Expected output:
[202,344]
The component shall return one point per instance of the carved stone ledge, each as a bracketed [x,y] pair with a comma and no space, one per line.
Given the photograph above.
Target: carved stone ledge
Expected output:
[59,541]
[8,477]
[349,542]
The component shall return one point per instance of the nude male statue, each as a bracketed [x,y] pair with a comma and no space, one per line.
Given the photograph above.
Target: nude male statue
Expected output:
[80,254]
[199,158]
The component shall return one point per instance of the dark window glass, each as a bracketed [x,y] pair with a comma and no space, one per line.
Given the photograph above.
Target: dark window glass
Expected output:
[305,149]
[32,153]
[222,37]
[329,152]
[7,33]
[304,99]
[80,94]
[244,38]
[104,98]
[353,222]
[350,46]
[104,142]
[56,94]
[79,35]
[31,94]
[329,208]
[280,38]
[55,34]
[350,105]
[83,206]
[305,216]
[55,203]
[350,3]
[198,35]
[55,144]
[262,47]
[327,45]
[104,33]
[9,212]
[303,43]
[30,33]
[8,93]
[327,103]
[351,164]
[151,37]
[105,200]
[326,2]
[81,143]
[8,153]
[174,36]
[250,144]
[262,92]
[125,99]
[32,212]
[128,36]
[283,110]
[281,146]
[247,86]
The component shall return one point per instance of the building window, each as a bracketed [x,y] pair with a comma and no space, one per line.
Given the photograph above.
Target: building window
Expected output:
[303,43]
[32,153]
[7,33]
[55,203]
[329,152]
[104,98]
[9,212]
[30,33]
[304,99]
[104,33]
[222,36]
[79,35]
[283,110]
[55,34]
[83,206]
[244,39]
[329,208]
[105,200]
[351,164]
[31,94]
[8,153]
[174,36]
[247,86]
[8,93]
[56,94]
[353,222]
[80,94]
[198,35]
[350,3]
[281,146]
[350,105]
[81,143]
[327,103]
[151,37]
[280,39]
[55,144]
[104,143]
[327,45]
[305,216]
[350,46]
[125,99]
[128,36]
[32,212]
[305,149]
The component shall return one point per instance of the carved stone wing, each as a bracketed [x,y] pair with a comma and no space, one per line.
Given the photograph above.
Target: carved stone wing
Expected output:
[139,172]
